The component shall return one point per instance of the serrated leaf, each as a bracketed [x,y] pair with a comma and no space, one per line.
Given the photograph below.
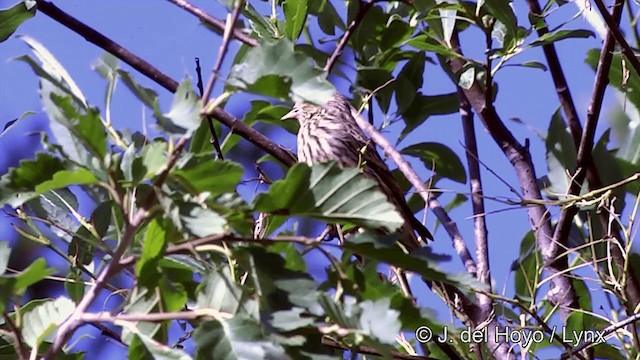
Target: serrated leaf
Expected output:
[295,11]
[277,70]
[237,338]
[12,17]
[213,176]
[220,292]
[41,322]
[327,192]
[550,38]
[439,158]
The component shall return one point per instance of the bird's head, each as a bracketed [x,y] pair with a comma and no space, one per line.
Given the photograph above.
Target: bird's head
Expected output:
[302,112]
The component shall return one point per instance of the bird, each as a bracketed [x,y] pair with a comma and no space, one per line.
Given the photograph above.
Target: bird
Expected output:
[330,132]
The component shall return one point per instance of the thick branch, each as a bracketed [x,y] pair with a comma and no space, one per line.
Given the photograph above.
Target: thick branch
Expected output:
[561,291]
[477,199]
[163,80]
[586,163]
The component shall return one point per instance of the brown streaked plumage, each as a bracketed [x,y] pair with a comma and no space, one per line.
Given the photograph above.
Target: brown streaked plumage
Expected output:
[330,132]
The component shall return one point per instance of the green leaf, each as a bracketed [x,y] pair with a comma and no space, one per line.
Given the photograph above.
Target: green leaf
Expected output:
[382,248]
[329,193]
[535,65]
[422,107]
[184,115]
[278,71]
[19,184]
[13,122]
[154,243]
[501,10]
[426,43]
[409,82]
[373,78]
[550,38]
[201,221]
[439,158]
[237,338]
[261,25]
[202,174]
[328,17]
[528,269]
[73,125]
[41,322]
[64,178]
[219,291]
[295,11]
[157,350]
[561,155]
[397,31]
[12,17]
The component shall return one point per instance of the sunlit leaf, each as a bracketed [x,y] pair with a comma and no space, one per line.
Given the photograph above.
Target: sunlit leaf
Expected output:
[327,192]
[277,70]
[12,17]
[295,11]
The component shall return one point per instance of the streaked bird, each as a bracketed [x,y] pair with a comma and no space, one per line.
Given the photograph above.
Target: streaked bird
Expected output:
[330,132]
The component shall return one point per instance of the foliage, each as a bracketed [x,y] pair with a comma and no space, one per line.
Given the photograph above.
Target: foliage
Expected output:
[194,255]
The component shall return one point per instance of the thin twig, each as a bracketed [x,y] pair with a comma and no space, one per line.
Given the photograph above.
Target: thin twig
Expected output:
[222,52]
[605,332]
[21,348]
[215,23]
[614,30]
[214,136]
[477,200]
[367,350]
[106,316]
[363,8]
[187,247]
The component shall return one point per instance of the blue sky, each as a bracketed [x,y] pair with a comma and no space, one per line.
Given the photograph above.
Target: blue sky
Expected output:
[170,38]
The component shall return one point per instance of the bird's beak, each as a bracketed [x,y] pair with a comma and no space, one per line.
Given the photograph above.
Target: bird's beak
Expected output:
[291,115]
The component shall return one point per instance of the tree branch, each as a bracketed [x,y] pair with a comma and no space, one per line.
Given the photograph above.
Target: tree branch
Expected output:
[231,21]
[363,8]
[593,177]
[94,37]
[561,292]
[477,200]
[215,23]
